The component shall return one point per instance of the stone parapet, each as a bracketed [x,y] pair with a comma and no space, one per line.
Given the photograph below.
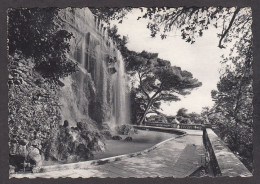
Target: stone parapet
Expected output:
[223,161]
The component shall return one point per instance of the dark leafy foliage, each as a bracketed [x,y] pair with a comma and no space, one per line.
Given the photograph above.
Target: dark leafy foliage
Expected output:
[192,22]
[158,81]
[108,14]
[35,34]
[189,118]
[232,114]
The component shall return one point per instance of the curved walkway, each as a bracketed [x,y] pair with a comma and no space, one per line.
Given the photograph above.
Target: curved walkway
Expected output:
[178,158]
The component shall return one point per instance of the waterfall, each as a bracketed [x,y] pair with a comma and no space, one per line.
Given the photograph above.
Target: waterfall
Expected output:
[83,63]
[121,103]
[98,91]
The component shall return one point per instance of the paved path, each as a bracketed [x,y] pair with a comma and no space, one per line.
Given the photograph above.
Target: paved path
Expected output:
[177,158]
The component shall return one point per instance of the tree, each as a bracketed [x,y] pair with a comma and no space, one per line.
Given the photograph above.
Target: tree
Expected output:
[184,117]
[182,112]
[233,109]
[158,81]
[190,21]
[196,118]
[33,32]
[110,14]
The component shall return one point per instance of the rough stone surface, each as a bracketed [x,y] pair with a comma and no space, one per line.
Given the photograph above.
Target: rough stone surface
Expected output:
[228,163]
[126,130]
[116,137]
[177,158]
[128,139]
[87,93]
[37,107]
[34,155]
[33,110]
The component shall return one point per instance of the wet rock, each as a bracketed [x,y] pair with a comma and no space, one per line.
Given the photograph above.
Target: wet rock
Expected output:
[99,146]
[22,151]
[11,169]
[34,155]
[78,144]
[80,125]
[66,123]
[82,152]
[105,126]
[128,139]
[111,70]
[117,137]
[125,130]
[107,134]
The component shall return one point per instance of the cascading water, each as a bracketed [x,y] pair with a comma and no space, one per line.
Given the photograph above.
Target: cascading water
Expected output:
[99,90]
[121,106]
[83,63]
[120,99]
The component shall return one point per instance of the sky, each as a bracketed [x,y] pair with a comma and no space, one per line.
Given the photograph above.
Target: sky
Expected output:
[202,59]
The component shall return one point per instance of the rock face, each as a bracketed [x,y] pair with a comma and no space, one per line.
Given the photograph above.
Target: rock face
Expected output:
[98,90]
[116,137]
[126,130]
[128,139]
[33,111]
[75,143]
[86,99]
[87,93]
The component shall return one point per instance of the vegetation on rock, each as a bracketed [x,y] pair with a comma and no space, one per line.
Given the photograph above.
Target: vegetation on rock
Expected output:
[35,34]
[33,111]
[72,144]
[38,50]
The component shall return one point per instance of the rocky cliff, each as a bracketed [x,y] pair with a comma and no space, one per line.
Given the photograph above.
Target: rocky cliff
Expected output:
[63,121]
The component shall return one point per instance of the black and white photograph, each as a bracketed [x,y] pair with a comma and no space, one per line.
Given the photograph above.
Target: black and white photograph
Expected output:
[130,92]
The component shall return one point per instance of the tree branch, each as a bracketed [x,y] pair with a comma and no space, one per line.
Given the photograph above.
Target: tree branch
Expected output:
[228,28]
[142,88]
[157,92]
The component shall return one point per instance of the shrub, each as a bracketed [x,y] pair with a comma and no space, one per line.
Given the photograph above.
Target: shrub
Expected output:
[35,34]
[125,130]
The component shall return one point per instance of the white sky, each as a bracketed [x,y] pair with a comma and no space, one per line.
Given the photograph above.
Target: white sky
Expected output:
[201,59]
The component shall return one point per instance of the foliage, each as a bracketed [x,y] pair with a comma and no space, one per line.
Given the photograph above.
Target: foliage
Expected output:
[158,81]
[182,112]
[110,14]
[188,118]
[33,109]
[34,33]
[232,114]
[190,21]
[137,102]
[120,41]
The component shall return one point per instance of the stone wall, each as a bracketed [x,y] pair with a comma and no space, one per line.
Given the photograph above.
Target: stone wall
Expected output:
[223,161]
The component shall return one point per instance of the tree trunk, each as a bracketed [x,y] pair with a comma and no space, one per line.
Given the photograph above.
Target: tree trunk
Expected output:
[145,112]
